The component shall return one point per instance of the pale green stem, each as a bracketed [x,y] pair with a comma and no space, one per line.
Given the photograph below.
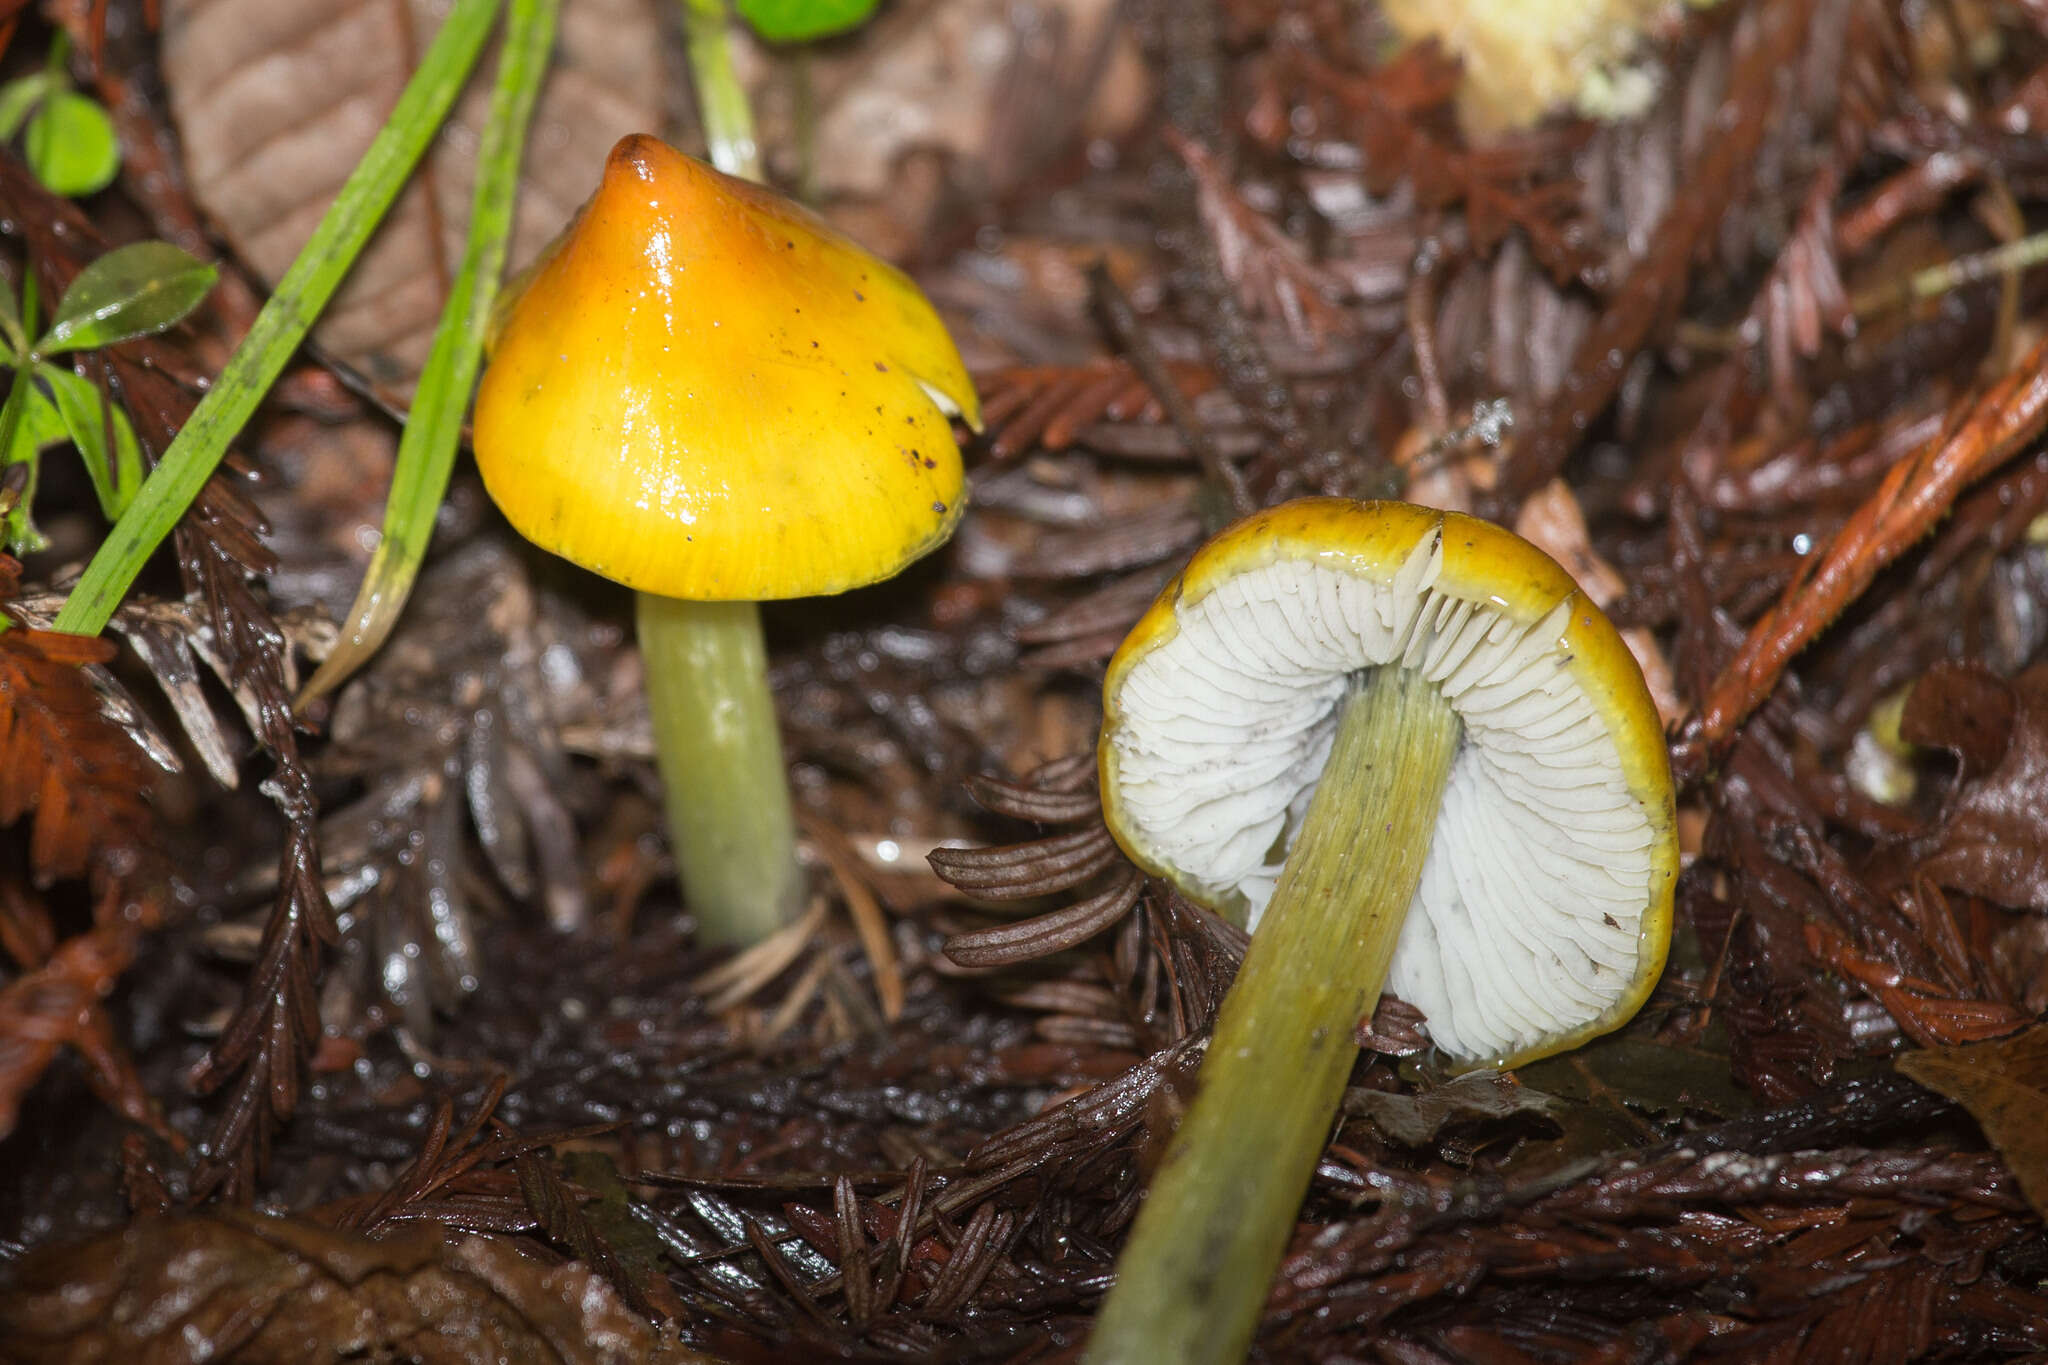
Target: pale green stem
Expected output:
[720,756]
[1200,1261]
[715,737]
[721,103]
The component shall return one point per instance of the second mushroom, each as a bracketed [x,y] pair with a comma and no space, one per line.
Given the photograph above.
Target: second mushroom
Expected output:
[1404,749]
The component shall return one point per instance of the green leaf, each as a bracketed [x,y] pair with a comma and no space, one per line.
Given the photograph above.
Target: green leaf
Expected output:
[278,329]
[131,291]
[18,318]
[37,425]
[71,145]
[18,97]
[42,426]
[433,429]
[26,425]
[85,414]
[799,21]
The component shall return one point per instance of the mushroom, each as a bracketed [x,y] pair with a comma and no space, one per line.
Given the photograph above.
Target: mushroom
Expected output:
[1405,750]
[705,393]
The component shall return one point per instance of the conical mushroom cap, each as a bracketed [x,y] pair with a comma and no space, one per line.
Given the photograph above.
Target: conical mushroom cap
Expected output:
[703,391]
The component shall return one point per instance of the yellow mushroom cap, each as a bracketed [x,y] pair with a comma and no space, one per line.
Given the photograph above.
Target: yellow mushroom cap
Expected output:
[1544,911]
[703,391]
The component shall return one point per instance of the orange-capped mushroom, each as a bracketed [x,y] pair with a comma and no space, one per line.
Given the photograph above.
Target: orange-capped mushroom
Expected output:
[707,394]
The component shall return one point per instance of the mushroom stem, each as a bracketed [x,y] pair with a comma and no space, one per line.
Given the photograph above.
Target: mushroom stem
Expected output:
[720,754]
[1200,1262]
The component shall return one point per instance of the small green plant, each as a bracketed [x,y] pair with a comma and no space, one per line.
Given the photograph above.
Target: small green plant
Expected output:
[130,292]
[67,138]
[801,21]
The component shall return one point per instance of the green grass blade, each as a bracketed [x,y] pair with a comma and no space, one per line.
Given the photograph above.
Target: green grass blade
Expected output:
[433,431]
[721,103]
[298,299]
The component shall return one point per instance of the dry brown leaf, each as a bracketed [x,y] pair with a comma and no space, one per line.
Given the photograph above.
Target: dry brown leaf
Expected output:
[1990,839]
[234,1285]
[275,101]
[1414,1120]
[988,88]
[62,760]
[2004,1085]
[1983,432]
[1964,707]
[1550,519]
[1273,272]
[58,1001]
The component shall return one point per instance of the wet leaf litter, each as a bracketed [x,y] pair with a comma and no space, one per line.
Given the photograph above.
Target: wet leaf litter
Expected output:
[1752,327]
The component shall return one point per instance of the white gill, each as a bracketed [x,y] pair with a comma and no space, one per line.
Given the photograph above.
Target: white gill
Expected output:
[1526,923]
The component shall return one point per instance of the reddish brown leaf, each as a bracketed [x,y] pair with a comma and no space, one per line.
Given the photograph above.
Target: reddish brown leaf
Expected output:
[1992,838]
[58,1003]
[1913,497]
[83,783]
[1658,278]
[61,761]
[1927,1014]
[1964,708]
[1272,271]
[2004,1084]
[1509,183]
[1046,407]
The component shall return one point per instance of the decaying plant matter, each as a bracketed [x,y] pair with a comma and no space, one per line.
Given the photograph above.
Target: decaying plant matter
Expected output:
[81,783]
[1762,359]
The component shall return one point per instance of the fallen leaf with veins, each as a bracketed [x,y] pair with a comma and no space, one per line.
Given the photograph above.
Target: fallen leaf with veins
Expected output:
[235,1285]
[276,99]
[1992,836]
[1415,1120]
[2004,1085]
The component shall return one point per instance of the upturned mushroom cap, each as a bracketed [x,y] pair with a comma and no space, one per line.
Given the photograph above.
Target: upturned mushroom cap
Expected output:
[1544,910]
[703,391]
